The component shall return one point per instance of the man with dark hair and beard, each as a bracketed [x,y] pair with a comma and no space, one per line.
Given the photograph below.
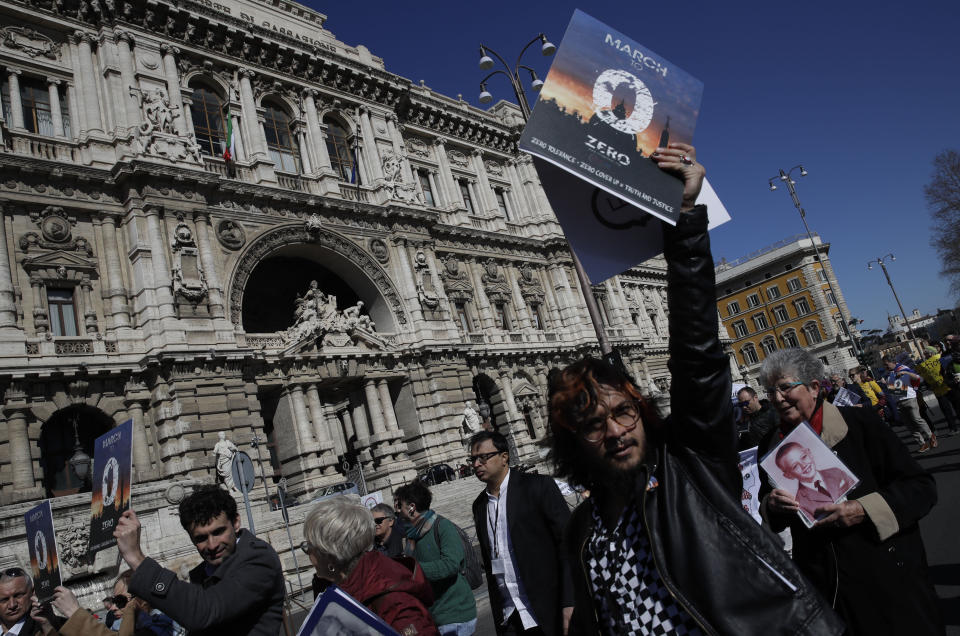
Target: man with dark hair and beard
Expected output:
[663,545]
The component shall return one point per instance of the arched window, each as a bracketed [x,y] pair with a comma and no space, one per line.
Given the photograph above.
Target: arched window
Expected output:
[281,140]
[209,122]
[769,345]
[790,339]
[60,436]
[812,333]
[749,353]
[342,155]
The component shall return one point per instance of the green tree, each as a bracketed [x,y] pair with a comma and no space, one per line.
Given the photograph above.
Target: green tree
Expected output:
[943,200]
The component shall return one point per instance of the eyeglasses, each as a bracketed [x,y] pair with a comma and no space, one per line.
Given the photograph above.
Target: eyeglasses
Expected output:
[120,601]
[783,388]
[379,520]
[305,547]
[14,573]
[483,458]
[743,404]
[626,415]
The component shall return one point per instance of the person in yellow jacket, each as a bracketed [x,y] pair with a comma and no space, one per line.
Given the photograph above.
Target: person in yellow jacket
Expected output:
[932,373]
[868,385]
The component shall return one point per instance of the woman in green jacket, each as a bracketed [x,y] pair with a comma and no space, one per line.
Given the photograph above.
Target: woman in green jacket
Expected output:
[435,543]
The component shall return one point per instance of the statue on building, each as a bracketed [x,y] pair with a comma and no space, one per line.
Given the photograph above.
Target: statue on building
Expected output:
[159,112]
[393,182]
[426,291]
[471,419]
[224,450]
[316,314]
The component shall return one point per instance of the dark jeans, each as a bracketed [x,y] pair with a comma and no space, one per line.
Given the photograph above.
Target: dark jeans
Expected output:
[514,627]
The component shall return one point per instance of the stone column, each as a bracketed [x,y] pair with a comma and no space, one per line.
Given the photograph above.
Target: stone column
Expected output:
[299,409]
[75,125]
[398,148]
[387,403]
[88,81]
[56,114]
[451,193]
[438,201]
[257,145]
[306,165]
[8,301]
[16,106]
[21,461]
[533,188]
[404,263]
[141,453]
[488,202]
[373,405]
[375,161]
[506,386]
[483,303]
[333,423]
[114,291]
[318,145]
[89,313]
[128,76]
[41,320]
[523,316]
[524,205]
[209,262]
[348,428]
[316,414]
[361,427]
[172,76]
[162,283]
[479,206]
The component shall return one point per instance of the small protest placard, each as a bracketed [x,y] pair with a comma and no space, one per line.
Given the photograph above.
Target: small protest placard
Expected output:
[42,543]
[606,105]
[845,397]
[112,468]
[336,612]
[803,465]
[749,472]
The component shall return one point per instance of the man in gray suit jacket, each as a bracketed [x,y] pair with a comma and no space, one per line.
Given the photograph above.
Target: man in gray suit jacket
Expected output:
[237,590]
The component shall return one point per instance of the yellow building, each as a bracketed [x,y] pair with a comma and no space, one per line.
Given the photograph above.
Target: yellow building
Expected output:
[778,297]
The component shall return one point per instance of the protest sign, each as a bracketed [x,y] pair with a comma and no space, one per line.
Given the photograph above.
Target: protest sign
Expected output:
[749,471]
[112,467]
[845,397]
[606,105]
[336,612]
[42,543]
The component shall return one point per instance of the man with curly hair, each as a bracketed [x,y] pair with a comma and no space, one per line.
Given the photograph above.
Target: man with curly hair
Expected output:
[238,589]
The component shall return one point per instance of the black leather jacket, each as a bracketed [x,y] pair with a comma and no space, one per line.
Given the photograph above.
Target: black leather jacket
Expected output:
[729,574]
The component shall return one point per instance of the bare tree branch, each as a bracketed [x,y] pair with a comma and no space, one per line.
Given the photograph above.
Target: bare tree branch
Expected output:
[943,201]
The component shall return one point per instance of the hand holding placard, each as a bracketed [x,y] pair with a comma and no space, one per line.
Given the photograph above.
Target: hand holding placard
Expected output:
[127,534]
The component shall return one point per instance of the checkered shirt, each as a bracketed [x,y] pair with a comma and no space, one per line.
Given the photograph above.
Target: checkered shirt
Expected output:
[629,596]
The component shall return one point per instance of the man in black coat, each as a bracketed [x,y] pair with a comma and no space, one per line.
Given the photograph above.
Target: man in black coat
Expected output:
[237,590]
[519,519]
[761,418]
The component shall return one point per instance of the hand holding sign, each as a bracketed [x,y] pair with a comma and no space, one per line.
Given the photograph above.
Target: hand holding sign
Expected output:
[681,159]
[127,534]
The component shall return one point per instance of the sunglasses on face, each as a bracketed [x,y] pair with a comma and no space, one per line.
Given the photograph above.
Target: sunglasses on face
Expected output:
[483,458]
[379,520]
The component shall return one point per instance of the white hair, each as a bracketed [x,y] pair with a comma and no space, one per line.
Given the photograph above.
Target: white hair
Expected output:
[340,529]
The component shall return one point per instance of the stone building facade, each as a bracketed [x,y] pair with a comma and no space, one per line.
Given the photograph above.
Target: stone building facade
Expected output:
[372,255]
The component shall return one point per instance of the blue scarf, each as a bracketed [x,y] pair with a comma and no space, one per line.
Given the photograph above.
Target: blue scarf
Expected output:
[422,526]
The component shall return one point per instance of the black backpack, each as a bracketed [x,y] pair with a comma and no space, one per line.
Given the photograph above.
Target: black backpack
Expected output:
[472,567]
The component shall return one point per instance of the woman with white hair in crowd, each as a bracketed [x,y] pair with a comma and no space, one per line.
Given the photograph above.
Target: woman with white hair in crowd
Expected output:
[339,537]
[865,553]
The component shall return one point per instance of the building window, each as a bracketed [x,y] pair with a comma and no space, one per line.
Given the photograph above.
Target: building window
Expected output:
[35,102]
[740,329]
[753,300]
[465,195]
[343,159]
[769,346]
[463,321]
[535,317]
[208,121]
[830,298]
[635,317]
[841,325]
[790,339]
[63,312]
[780,314]
[821,276]
[502,203]
[500,313]
[281,140]
[802,307]
[424,177]
[733,308]
[749,354]
[793,284]
[812,333]
[760,322]
[773,292]
[653,322]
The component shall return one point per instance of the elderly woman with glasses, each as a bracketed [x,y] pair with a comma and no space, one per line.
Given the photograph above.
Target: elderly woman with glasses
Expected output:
[865,554]
[339,537]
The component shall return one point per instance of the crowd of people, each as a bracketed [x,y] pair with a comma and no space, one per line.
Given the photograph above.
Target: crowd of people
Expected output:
[661,546]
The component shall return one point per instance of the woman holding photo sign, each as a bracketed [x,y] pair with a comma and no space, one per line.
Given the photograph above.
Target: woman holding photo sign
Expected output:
[865,553]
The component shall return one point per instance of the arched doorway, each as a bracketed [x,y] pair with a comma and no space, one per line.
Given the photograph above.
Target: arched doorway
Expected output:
[60,435]
[490,403]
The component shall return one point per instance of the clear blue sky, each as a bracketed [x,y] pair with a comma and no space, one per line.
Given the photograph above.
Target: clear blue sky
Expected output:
[863,94]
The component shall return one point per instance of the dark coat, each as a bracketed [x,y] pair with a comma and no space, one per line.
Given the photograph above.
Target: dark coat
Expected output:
[758,425]
[877,570]
[244,595]
[391,591]
[536,514]
[729,574]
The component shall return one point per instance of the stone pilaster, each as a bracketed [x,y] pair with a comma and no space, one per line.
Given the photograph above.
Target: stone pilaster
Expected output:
[56,114]
[16,106]
[257,146]
[172,76]
[209,261]
[131,105]
[8,303]
[88,82]
[373,406]
[384,390]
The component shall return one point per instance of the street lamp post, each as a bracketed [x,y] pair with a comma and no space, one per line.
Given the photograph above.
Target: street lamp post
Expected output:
[791,188]
[513,75]
[882,262]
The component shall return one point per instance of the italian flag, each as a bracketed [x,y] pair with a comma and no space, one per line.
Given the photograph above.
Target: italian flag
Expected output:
[229,148]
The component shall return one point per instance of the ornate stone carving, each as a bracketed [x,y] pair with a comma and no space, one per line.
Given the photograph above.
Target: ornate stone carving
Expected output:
[493,167]
[379,250]
[73,542]
[231,234]
[182,236]
[313,224]
[426,291]
[316,315]
[287,235]
[530,287]
[158,110]
[31,42]
[455,281]
[393,179]
[457,158]
[495,283]
[188,280]
[418,147]
[158,134]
